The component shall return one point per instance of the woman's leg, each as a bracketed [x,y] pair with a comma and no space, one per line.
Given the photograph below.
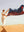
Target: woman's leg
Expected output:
[2,21]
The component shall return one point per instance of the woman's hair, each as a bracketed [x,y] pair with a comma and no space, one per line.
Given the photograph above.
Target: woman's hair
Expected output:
[3,10]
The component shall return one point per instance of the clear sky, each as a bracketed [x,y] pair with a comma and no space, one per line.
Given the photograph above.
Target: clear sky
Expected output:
[14,4]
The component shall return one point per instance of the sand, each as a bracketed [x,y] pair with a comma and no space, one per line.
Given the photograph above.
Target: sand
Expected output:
[13,28]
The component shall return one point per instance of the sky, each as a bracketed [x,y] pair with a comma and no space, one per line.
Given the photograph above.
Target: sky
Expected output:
[14,4]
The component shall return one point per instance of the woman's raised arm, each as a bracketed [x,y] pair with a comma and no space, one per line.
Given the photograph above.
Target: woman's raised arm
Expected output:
[7,11]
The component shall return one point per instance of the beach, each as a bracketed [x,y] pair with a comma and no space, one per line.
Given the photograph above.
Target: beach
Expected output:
[13,28]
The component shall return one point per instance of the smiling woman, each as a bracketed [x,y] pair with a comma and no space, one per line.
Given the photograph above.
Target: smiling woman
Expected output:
[4,15]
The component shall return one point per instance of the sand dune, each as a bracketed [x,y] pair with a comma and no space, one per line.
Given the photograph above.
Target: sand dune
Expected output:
[13,28]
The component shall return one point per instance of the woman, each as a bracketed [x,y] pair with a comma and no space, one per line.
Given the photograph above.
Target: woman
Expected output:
[4,15]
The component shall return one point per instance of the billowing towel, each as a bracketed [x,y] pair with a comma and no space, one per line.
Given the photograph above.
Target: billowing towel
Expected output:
[18,11]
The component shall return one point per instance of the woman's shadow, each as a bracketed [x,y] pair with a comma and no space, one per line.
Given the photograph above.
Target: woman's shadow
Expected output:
[3,29]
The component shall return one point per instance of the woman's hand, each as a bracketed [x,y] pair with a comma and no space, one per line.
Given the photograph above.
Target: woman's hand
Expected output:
[6,15]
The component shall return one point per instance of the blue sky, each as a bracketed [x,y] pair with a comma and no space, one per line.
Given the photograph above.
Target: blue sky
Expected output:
[14,4]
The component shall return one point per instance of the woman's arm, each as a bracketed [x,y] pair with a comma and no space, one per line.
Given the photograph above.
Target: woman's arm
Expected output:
[7,11]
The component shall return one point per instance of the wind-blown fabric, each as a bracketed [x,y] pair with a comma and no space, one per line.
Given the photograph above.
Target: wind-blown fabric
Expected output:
[18,11]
